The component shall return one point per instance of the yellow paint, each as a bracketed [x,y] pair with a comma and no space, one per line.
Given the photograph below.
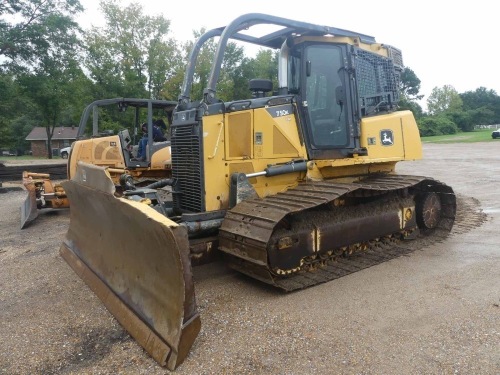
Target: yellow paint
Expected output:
[250,140]
[236,152]
[407,144]
[377,48]
[106,152]
[103,151]
[216,185]
[162,159]
[381,158]
[279,135]
[317,239]
[238,131]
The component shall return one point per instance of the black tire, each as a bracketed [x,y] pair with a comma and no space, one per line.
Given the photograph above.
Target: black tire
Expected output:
[64,155]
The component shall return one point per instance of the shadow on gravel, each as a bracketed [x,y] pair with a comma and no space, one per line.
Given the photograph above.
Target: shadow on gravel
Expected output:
[89,348]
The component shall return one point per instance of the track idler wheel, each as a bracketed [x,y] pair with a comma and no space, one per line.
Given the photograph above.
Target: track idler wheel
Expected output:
[428,211]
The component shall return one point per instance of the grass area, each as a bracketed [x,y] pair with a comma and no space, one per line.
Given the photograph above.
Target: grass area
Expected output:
[464,137]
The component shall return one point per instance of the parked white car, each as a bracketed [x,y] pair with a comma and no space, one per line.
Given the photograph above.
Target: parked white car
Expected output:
[65,152]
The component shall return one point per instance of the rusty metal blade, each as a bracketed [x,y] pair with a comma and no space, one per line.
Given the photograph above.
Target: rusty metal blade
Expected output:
[29,209]
[136,261]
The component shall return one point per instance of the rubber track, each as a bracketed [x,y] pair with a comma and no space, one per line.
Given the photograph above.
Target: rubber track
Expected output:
[258,218]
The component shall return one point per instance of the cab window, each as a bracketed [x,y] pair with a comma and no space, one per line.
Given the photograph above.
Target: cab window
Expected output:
[323,88]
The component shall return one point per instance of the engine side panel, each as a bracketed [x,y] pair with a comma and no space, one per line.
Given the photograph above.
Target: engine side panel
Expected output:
[388,138]
[249,141]
[102,151]
[393,136]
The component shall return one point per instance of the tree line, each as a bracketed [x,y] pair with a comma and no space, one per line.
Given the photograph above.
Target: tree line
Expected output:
[51,68]
[448,111]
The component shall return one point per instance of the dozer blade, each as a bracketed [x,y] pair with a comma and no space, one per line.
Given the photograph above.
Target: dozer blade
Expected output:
[29,209]
[136,261]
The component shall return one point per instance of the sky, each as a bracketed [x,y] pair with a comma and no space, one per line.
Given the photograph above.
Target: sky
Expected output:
[444,42]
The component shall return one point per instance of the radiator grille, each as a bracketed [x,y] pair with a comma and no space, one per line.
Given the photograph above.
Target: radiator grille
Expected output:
[187,167]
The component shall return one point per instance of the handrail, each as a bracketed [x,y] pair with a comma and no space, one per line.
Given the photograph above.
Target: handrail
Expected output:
[251,19]
[272,40]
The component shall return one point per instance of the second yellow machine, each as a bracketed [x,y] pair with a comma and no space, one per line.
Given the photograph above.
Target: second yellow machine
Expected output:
[295,185]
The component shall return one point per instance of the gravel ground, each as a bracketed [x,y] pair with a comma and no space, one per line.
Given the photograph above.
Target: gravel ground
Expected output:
[436,311]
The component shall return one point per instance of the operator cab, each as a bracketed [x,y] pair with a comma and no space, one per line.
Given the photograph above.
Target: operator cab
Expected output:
[103,118]
[317,74]
[321,73]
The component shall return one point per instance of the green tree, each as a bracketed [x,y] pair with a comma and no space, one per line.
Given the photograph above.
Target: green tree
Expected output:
[165,67]
[33,29]
[436,125]
[409,91]
[444,99]
[232,84]
[103,67]
[7,92]
[481,116]
[22,125]
[50,87]
[264,65]
[19,114]
[203,64]
[483,106]
[409,86]
[461,119]
[405,104]
[132,54]
[478,98]
[236,70]
[34,34]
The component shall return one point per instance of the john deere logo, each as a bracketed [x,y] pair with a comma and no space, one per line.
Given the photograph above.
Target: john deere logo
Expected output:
[386,137]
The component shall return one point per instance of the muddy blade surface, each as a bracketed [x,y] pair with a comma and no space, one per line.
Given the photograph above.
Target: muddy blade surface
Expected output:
[29,210]
[136,261]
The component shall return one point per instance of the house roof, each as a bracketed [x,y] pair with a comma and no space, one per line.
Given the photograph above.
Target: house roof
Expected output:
[40,134]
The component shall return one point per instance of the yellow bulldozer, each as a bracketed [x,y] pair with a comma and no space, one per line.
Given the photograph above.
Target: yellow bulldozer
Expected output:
[117,152]
[295,185]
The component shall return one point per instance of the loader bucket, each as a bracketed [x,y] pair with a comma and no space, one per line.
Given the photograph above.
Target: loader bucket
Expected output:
[136,261]
[29,209]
